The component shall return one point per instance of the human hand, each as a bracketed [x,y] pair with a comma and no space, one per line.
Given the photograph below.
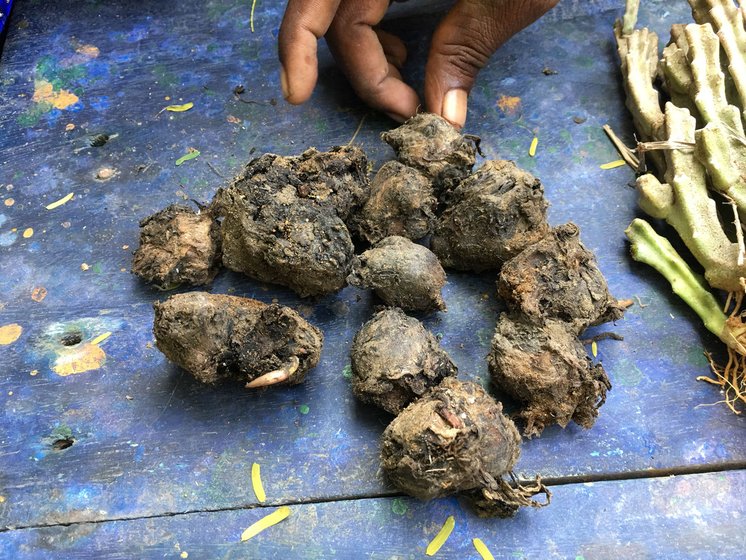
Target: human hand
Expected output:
[372,58]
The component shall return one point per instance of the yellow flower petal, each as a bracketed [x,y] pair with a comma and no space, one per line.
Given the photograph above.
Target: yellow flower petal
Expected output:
[442,536]
[265,522]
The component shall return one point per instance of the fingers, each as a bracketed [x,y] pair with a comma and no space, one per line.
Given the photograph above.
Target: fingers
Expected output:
[463,43]
[304,23]
[369,58]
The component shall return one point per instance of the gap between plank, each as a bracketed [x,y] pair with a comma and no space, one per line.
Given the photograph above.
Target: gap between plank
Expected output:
[549,481]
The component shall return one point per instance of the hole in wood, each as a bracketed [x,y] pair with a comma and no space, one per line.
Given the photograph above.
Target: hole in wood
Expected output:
[71,338]
[62,443]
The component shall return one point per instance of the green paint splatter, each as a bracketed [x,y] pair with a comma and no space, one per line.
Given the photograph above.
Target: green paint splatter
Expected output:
[304,409]
[399,506]
[580,557]
[32,115]
[347,371]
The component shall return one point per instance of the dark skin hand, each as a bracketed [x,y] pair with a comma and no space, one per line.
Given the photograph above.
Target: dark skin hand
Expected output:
[372,58]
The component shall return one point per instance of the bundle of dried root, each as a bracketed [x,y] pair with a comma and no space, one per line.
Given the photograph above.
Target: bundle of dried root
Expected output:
[698,185]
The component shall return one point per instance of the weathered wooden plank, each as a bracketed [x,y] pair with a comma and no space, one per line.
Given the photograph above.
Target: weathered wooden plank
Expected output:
[677,518]
[174,446]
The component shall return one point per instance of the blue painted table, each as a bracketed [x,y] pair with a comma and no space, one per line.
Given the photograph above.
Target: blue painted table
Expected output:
[133,459]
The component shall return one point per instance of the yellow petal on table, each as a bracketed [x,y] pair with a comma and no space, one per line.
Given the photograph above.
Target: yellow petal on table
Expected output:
[613,164]
[10,333]
[64,200]
[594,348]
[256,482]
[28,232]
[180,108]
[534,145]
[482,549]
[265,522]
[442,536]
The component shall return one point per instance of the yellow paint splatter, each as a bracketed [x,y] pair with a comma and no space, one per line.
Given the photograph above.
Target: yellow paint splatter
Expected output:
[9,202]
[184,554]
[86,357]
[38,294]
[256,482]
[100,338]
[613,164]
[482,549]
[84,266]
[265,522]
[442,536]
[28,232]
[44,93]
[509,105]
[534,145]
[90,51]
[34,372]
[69,127]
[10,333]
[2,499]
[57,203]
[594,348]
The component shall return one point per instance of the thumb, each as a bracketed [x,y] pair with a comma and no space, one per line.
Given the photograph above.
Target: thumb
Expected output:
[463,43]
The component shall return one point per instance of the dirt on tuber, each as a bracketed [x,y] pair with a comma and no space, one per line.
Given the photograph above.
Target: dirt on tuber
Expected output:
[492,216]
[454,439]
[402,273]
[219,337]
[402,202]
[558,278]
[431,144]
[178,246]
[284,218]
[547,370]
[395,361]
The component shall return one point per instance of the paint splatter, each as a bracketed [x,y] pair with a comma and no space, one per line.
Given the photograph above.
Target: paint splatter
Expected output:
[38,294]
[69,127]
[256,483]
[532,148]
[234,120]
[28,232]
[105,173]
[347,371]
[10,333]
[442,536]
[184,554]
[89,51]
[399,506]
[84,266]
[482,549]
[9,202]
[613,164]
[82,358]
[509,105]
[57,203]
[34,372]
[266,522]
[304,409]
[2,499]
[44,93]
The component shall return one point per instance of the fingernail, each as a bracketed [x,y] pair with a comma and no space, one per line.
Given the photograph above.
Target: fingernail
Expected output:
[284,82]
[454,107]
